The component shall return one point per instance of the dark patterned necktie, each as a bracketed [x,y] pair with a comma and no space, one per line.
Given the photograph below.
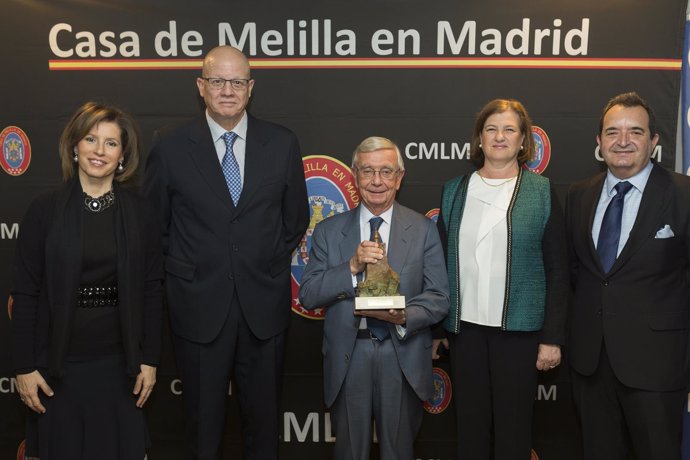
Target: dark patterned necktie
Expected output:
[610,233]
[377,327]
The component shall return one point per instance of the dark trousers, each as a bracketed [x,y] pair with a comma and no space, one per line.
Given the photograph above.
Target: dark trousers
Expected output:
[495,381]
[256,368]
[615,417]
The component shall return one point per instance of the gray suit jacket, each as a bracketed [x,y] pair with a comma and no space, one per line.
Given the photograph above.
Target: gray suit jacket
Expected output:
[416,254]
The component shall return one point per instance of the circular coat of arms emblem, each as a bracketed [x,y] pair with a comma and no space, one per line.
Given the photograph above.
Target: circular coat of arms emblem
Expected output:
[443,392]
[16,151]
[542,151]
[332,190]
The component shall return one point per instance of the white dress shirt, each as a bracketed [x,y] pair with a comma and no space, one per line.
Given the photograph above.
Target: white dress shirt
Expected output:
[365,228]
[631,204]
[239,148]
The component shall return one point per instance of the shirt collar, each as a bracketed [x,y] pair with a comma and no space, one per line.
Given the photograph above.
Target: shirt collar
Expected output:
[638,181]
[365,215]
[217,131]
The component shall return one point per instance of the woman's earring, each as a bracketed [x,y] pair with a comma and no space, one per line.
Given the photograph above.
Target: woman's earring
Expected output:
[120,168]
[76,155]
[480,145]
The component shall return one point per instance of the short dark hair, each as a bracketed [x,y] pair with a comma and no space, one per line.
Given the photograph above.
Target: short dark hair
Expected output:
[86,117]
[631,99]
[500,106]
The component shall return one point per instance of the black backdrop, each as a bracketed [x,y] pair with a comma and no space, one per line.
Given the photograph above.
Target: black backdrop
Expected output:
[334,72]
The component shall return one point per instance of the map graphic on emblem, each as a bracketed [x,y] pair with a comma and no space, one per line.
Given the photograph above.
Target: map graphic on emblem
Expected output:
[443,392]
[331,189]
[542,151]
[16,151]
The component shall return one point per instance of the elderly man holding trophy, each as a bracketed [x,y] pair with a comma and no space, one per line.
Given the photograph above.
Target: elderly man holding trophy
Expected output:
[380,273]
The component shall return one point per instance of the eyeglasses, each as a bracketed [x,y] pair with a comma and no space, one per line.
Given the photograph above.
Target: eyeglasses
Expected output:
[219,83]
[385,173]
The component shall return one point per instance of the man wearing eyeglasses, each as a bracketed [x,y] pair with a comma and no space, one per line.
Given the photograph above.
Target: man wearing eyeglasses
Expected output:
[377,363]
[629,339]
[233,205]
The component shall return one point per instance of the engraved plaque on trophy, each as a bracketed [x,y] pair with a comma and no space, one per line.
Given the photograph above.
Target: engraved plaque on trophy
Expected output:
[380,288]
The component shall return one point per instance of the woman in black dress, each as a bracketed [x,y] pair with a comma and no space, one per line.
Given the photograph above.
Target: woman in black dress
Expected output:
[86,319]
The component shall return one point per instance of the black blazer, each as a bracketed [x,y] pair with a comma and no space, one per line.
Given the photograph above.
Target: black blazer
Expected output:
[642,307]
[214,250]
[47,271]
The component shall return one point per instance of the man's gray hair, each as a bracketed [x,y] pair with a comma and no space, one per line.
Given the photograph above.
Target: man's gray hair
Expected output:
[373,143]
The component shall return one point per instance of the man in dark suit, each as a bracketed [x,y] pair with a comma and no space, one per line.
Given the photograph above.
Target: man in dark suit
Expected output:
[629,236]
[382,370]
[232,198]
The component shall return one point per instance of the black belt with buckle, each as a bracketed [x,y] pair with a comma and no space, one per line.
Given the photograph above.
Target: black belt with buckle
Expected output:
[366,334]
[97,296]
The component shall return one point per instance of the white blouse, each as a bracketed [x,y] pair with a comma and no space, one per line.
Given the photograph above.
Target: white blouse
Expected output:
[483,249]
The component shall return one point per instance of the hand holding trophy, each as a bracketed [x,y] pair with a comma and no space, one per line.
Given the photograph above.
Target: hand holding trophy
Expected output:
[380,288]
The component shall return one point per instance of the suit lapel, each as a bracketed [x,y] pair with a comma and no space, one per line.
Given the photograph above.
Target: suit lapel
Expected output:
[590,198]
[648,217]
[203,154]
[256,162]
[350,235]
[399,238]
